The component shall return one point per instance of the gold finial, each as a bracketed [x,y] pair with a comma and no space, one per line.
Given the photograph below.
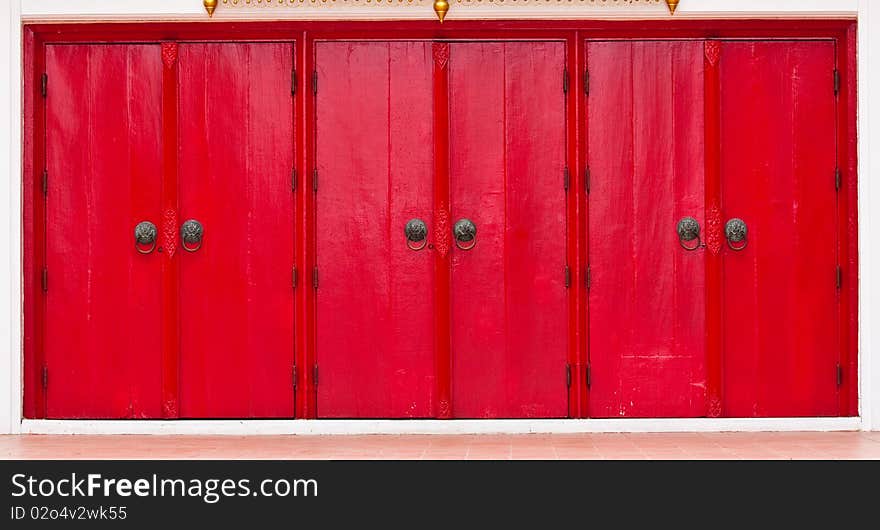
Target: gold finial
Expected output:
[672,5]
[441,7]
[210,6]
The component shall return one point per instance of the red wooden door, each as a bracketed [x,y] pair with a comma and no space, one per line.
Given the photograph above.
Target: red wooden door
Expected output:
[778,163]
[375,165]
[509,309]
[235,170]
[103,146]
[647,294]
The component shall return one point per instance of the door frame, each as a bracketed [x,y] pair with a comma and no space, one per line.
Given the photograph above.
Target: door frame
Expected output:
[306,34]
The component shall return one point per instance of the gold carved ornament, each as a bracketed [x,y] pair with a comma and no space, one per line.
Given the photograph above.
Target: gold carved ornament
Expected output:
[441,7]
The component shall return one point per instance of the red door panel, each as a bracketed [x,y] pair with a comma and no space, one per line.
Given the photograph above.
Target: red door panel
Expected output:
[509,301]
[236,294]
[778,162]
[647,294]
[375,166]
[103,123]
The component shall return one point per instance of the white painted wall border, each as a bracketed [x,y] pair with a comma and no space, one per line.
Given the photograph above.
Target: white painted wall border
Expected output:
[337,427]
[17,11]
[869,198]
[10,223]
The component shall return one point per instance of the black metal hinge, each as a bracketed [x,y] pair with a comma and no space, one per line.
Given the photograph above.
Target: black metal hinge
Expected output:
[294,277]
[839,276]
[45,377]
[293,81]
[838,179]
[587,278]
[586,82]
[587,176]
[589,376]
[836,81]
[45,182]
[567,276]
[44,85]
[839,375]
[315,82]
[293,377]
[566,178]
[568,375]
[293,180]
[44,279]
[315,180]
[565,80]
[315,375]
[315,277]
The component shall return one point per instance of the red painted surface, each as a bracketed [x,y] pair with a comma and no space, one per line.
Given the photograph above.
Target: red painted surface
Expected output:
[647,304]
[306,327]
[33,225]
[580,115]
[304,234]
[104,157]
[168,226]
[577,214]
[713,228]
[236,292]
[778,141]
[375,324]
[847,208]
[509,301]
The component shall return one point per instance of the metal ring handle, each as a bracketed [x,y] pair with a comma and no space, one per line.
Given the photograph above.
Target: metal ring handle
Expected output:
[465,231]
[191,233]
[688,230]
[145,234]
[736,232]
[416,232]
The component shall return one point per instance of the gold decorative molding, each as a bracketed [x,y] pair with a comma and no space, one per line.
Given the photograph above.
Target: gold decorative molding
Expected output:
[441,7]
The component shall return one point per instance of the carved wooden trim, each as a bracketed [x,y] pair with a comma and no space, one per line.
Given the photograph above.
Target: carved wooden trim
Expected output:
[169,54]
[714,231]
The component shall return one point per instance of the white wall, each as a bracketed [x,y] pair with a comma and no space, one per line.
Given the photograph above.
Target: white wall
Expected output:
[12,12]
[10,218]
[869,199]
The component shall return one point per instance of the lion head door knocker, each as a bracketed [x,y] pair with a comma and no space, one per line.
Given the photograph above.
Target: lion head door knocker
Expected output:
[416,232]
[145,237]
[191,234]
[689,233]
[737,234]
[465,233]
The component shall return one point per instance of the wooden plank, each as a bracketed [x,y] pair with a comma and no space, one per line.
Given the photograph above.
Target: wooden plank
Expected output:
[647,305]
[236,158]
[375,301]
[778,162]
[507,117]
[102,333]
[168,227]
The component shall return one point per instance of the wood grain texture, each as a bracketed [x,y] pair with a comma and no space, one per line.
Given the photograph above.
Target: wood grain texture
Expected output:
[647,304]
[374,142]
[509,302]
[102,333]
[778,161]
[236,301]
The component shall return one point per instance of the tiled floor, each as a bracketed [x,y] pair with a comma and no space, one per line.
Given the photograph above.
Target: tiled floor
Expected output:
[690,446]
